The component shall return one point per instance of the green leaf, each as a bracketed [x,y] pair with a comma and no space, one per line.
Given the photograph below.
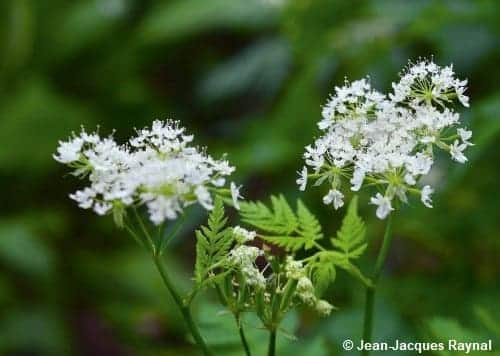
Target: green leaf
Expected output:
[289,243]
[212,244]
[258,70]
[41,116]
[18,34]
[444,329]
[41,330]
[349,244]
[281,225]
[279,220]
[356,272]
[182,18]
[488,320]
[25,252]
[351,236]
[221,334]
[86,24]
[323,274]
[284,213]
[309,226]
[322,266]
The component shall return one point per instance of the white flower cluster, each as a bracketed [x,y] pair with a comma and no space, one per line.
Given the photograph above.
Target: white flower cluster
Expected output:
[387,141]
[305,289]
[243,235]
[243,257]
[158,168]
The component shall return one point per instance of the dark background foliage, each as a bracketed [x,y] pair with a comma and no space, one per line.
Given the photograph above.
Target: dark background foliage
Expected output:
[248,77]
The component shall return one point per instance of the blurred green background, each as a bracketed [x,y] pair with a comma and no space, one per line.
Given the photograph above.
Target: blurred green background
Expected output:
[248,78]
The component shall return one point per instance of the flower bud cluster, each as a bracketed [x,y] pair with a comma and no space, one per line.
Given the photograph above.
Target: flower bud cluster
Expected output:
[242,257]
[305,290]
[371,139]
[242,235]
[158,168]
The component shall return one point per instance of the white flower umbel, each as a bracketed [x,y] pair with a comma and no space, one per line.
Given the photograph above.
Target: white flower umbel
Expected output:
[371,139]
[427,82]
[158,168]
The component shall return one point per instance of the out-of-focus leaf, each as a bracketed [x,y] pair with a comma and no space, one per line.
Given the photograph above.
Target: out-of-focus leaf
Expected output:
[288,128]
[25,252]
[478,40]
[486,123]
[488,319]
[33,331]
[123,273]
[310,24]
[32,120]
[347,324]
[219,328]
[259,69]
[445,329]
[310,346]
[421,26]
[5,290]
[87,22]
[396,11]
[171,21]
[17,34]
[485,129]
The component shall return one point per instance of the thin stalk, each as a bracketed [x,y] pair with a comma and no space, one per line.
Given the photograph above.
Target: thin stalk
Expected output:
[164,242]
[134,235]
[370,291]
[243,338]
[145,231]
[318,246]
[184,309]
[271,350]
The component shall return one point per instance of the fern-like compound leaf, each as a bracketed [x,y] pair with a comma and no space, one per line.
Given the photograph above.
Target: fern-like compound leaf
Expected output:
[213,243]
[278,220]
[309,226]
[323,271]
[281,226]
[351,236]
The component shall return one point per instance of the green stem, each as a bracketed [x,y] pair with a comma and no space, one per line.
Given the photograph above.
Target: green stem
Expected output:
[370,291]
[318,246]
[145,231]
[184,309]
[242,336]
[164,242]
[134,235]
[271,350]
